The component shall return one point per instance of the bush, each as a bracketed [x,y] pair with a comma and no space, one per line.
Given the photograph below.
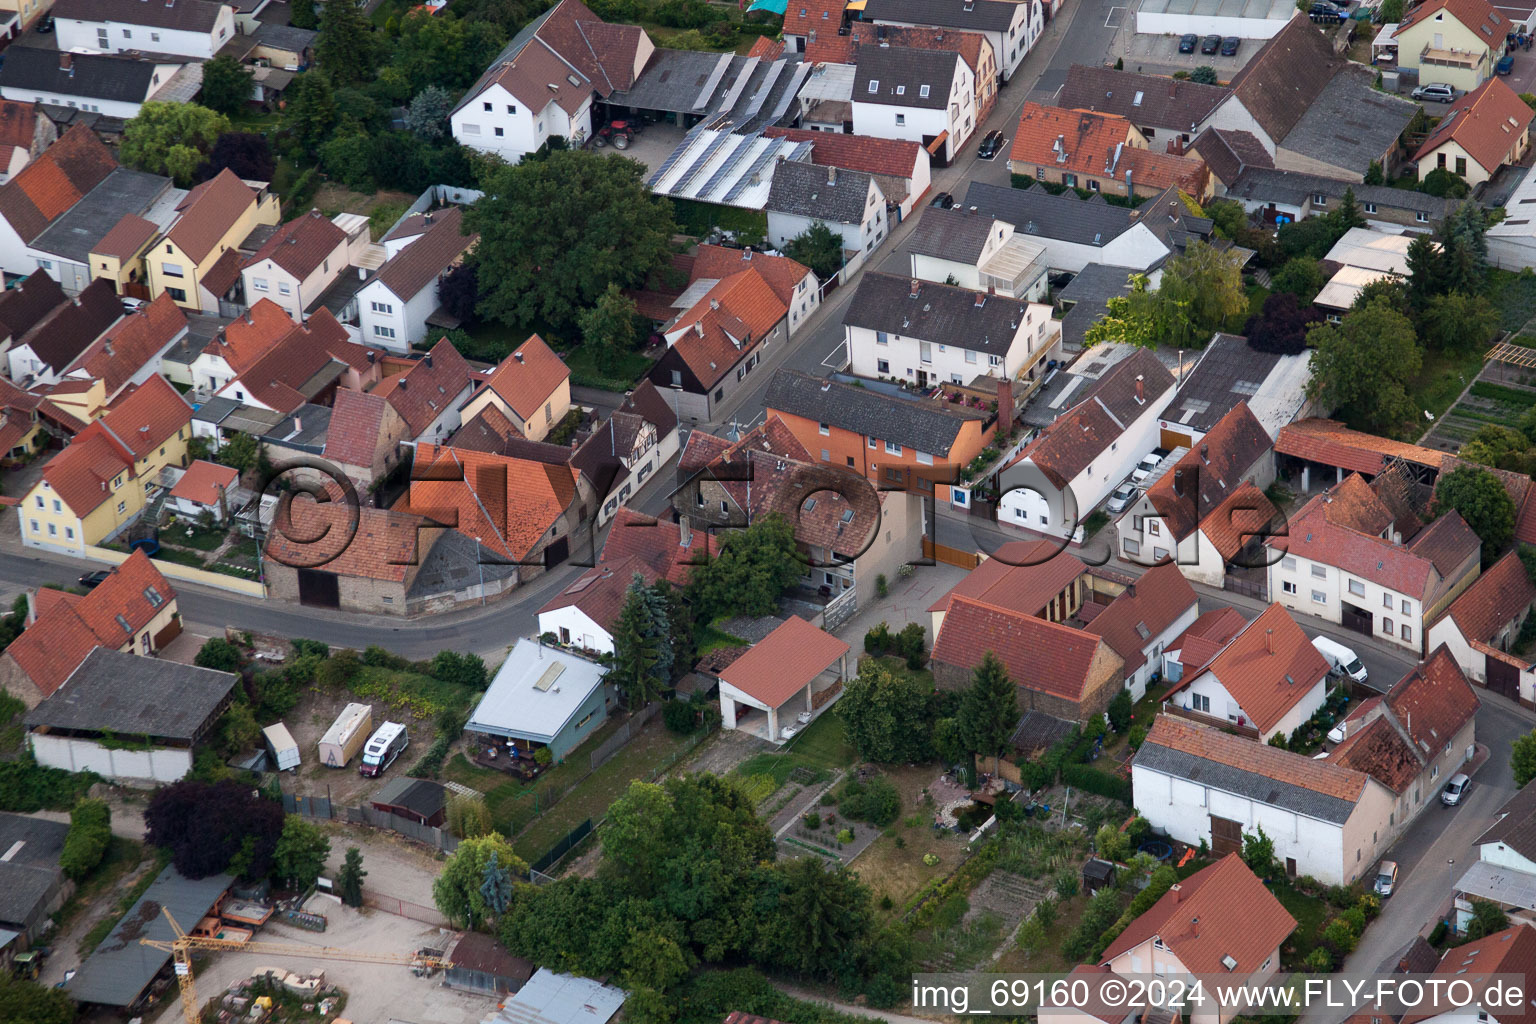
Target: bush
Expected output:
[680,716]
[1098,916]
[845,835]
[1340,937]
[1112,844]
[1045,912]
[878,640]
[1137,736]
[811,820]
[1066,884]
[219,654]
[1438,933]
[909,643]
[432,761]
[25,786]
[1120,711]
[1319,961]
[876,802]
[90,833]
[1099,783]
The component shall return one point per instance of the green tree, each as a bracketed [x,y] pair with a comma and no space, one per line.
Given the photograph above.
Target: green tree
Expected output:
[822,915]
[26,1002]
[86,842]
[301,853]
[428,112]
[1464,248]
[1458,322]
[303,15]
[226,85]
[554,233]
[346,48]
[753,568]
[680,626]
[610,328]
[466,670]
[1442,184]
[1205,75]
[446,52]
[819,248]
[468,816]
[1259,852]
[1137,318]
[1488,918]
[171,139]
[219,654]
[1374,175]
[350,878]
[1119,711]
[1301,277]
[989,708]
[1426,271]
[888,717]
[1204,285]
[1228,217]
[1348,214]
[1364,366]
[457,889]
[1501,448]
[241,452]
[1482,501]
[310,109]
[640,638]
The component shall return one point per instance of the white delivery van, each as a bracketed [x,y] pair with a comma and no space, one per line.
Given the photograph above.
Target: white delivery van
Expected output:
[382,748]
[1340,658]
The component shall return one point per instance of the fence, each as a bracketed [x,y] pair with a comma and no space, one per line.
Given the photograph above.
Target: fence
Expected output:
[563,847]
[404,908]
[322,807]
[308,806]
[946,555]
[177,571]
[626,732]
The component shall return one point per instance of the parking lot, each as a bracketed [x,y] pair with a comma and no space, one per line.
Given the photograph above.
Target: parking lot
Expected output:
[1159,54]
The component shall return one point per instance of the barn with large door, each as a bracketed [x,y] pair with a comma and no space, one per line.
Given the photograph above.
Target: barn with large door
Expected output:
[1196,783]
[1481,629]
[328,555]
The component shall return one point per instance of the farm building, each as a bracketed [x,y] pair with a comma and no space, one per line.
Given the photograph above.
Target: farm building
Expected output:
[481,964]
[418,800]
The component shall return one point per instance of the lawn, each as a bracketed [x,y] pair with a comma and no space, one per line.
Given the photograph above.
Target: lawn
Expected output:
[1311,914]
[122,856]
[201,539]
[822,748]
[1515,295]
[422,695]
[893,865]
[709,638]
[586,372]
[1440,382]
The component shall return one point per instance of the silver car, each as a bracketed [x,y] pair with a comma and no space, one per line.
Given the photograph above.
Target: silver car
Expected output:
[1439,92]
[1386,878]
[1122,498]
[1455,789]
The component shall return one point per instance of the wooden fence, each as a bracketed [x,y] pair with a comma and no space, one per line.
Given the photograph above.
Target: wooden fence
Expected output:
[946,555]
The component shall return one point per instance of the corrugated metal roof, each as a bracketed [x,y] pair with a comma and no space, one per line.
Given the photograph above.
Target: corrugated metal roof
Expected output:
[550,998]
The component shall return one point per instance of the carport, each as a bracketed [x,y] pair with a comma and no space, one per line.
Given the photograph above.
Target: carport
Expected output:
[796,661]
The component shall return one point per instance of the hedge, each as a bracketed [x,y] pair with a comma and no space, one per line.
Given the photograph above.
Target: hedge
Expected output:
[1096,782]
[25,786]
[90,833]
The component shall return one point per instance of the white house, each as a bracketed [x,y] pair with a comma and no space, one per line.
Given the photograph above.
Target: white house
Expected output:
[1268,679]
[1011,26]
[1144,619]
[629,448]
[1200,784]
[849,202]
[1074,232]
[940,334]
[1088,450]
[1345,561]
[206,487]
[978,252]
[543,83]
[186,28]
[392,308]
[109,84]
[303,259]
[925,96]
[1480,628]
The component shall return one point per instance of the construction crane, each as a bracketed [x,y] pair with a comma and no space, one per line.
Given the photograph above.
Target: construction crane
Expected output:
[183,945]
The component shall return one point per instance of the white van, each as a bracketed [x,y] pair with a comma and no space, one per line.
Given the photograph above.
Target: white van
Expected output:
[382,748]
[1340,658]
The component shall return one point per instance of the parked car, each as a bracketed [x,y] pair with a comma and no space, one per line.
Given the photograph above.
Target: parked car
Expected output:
[1188,42]
[92,580]
[991,145]
[1230,45]
[131,304]
[45,24]
[1340,658]
[1504,66]
[1122,498]
[1210,44]
[1326,12]
[1437,92]
[1455,789]
[943,200]
[1146,466]
[1386,878]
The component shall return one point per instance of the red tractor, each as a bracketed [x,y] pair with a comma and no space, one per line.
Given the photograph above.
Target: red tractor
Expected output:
[616,132]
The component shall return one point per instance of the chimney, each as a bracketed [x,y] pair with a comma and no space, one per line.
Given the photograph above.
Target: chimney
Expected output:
[404,380]
[684,532]
[981,299]
[1178,893]
[426,219]
[1269,640]
[1194,925]
[1130,590]
[67,62]
[518,356]
[428,360]
[298,424]
[714,303]
[1205,453]
[1178,482]
[912,292]
[372,357]
[1141,389]
[831,175]
[1130,191]
[1004,404]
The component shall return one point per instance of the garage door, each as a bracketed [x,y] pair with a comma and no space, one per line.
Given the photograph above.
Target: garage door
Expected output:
[1357,619]
[1503,678]
[319,589]
[1226,836]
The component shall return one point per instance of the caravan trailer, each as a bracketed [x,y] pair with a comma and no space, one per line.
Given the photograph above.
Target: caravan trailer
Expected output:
[285,752]
[346,735]
[383,747]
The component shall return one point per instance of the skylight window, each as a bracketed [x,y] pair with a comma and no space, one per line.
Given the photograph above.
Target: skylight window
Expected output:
[874,85]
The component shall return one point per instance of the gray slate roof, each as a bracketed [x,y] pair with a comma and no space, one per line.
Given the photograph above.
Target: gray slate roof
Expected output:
[132,696]
[954,234]
[1350,124]
[285,37]
[1034,211]
[1090,291]
[1515,826]
[675,80]
[940,313]
[1229,372]
[97,76]
[183,15]
[981,16]
[1252,785]
[420,796]
[42,841]
[802,189]
[925,425]
[122,967]
[899,74]
[1141,99]
[23,887]
[1267,185]
[124,191]
[30,873]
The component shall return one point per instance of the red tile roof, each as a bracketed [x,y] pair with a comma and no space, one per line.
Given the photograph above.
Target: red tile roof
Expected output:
[428,387]
[657,543]
[782,273]
[1477,15]
[1039,655]
[224,273]
[506,504]
[600,592]
[127,238]
[357,428]
[1234,751]
[145,419]
[275,377]
[824,17]
[1433,701]
[1206,636]
[1020,576]
[766,49]
[1143,611]
[1090,140]
[1268,668]
[18,124]
[203,481]
[208,213]
[247,338]
[1220,911]
[131,343]
[923,37]
[1490,123]
[894,158]
[785,662]
[81,475]
[488,431]
[1525,520]
[1203,478]
[439,247]
[58,179]
[384,547]
[1496,598]
[1379,751]
[715,333]
[301,245]
[1511,951]
[109,616]
[1333,444]
[1244,515]
[528,377]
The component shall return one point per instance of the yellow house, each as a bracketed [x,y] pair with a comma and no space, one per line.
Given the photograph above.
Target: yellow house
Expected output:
[1455,42]
[101,481]
[197,261]
[119,256]
[531,387]
[25,11]
[1484,130]
[85,400]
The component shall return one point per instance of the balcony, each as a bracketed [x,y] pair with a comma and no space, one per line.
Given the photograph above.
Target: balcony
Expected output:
[1466,59]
